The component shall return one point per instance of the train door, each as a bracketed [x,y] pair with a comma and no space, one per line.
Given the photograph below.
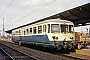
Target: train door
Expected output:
[44,29]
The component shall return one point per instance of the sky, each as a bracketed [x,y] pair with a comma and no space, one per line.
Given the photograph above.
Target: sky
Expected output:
[16,13]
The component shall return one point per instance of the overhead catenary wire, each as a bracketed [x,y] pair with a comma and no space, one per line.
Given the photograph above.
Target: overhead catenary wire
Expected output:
[6,8]
[19,11]
[25,6]
[44,5]
[18,15]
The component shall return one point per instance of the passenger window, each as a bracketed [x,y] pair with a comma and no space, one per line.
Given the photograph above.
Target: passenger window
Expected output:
[16,33]
[13,33]
[24,32]
[39,29]
[27,31]
[19,32]
[34,30]
[30,30]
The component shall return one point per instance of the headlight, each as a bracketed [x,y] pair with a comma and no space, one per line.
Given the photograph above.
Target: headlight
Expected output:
[56,38]
[71,38]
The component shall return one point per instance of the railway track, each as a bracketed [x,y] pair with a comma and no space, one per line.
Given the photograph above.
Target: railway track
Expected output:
[39,55]
[11,54]
[6,55]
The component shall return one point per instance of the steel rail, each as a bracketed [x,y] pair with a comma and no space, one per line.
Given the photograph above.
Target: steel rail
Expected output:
[22,52]
[7,53]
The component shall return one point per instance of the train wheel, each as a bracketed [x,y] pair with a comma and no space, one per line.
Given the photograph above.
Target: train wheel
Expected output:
[60,47]
[73,49]
[19,43]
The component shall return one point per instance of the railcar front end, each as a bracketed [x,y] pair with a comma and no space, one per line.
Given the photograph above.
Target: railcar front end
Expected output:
[62,36]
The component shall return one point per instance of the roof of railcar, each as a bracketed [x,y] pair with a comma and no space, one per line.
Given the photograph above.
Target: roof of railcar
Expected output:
[78,15]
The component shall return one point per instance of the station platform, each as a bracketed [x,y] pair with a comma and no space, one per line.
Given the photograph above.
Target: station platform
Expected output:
[83,52]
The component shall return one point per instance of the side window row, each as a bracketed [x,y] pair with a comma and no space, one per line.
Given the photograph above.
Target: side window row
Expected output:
[33,30]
